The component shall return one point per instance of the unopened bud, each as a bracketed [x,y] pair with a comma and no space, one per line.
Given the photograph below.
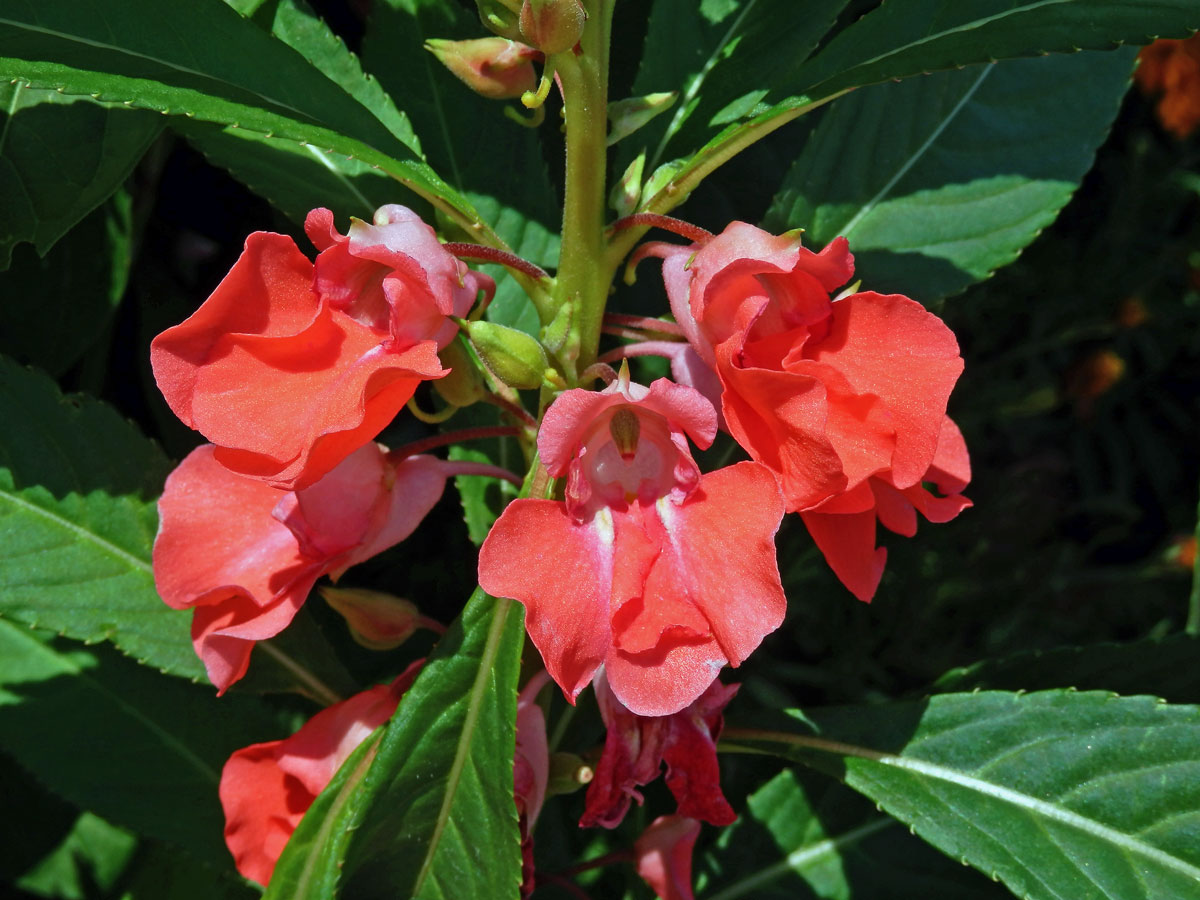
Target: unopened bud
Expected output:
[627,116]
[500,18]
[494,67]
[377,621]
[464,385]
[624,196]
[553,26]
[512,356]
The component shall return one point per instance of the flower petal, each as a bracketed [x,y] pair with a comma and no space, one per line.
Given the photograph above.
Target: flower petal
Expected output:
[848,543]
[561,570]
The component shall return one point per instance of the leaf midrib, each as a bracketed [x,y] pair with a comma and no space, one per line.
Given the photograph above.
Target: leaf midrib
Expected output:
[474,705]
[82,533]
[77,671]
[204,76]
[1006,795]
[916,155]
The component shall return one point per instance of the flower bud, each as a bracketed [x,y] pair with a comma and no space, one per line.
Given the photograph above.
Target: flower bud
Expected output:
[493,67]
[627,116]
[553,26]
[512,356]
[624,196]
[499,18]
[464,385]
[377,621]
[568,773]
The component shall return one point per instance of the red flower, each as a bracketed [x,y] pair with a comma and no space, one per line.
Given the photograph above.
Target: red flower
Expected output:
[634,571]
[289,369]
[267,788]
[663,855]
[244,555]
[844,398]
[531,772]
[636,747]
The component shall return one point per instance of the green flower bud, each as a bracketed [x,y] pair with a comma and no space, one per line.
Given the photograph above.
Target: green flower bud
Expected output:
[512,356]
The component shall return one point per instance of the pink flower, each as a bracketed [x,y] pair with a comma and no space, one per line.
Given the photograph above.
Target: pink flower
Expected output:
[844,398]
[266,788]
[288,369]
[658,573]
[244,556]
[663,855]
[636,747]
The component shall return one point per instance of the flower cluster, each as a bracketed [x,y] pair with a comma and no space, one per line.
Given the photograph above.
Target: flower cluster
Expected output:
[640,574]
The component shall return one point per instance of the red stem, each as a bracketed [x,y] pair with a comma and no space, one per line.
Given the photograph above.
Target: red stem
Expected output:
[618,856]
[451,437]
[512,409]
[492,255]
[693,233]
[465,467]
[646,348]
[660,326]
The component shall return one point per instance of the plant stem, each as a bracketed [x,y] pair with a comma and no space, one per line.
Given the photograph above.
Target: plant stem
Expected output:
[582,278]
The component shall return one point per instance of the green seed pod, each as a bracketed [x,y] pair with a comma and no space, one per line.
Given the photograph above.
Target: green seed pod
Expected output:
[464,385]
[512,356]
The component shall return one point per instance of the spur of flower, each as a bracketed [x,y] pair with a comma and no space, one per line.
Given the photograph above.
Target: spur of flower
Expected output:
[658,573]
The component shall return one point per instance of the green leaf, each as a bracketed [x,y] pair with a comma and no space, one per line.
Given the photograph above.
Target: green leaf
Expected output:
[106,734]
[76,527]
[433,815]
[804,836]
[293,177]
[204,61]
[497,163]
[1058,794]
[730,57]
[908,37]
[296,178]
[60,158]
[1165,668]
[483,499]
[56,307]
[91,856]
[938,181]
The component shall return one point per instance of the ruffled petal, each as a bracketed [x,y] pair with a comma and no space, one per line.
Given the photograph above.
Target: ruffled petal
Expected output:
[891,347]
[263,806]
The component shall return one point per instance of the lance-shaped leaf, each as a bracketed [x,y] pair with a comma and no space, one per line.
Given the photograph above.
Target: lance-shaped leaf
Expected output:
[114,737]
[1058,794]
[60,158]
[431,815]
[76,524]
[937,181]
[204,61]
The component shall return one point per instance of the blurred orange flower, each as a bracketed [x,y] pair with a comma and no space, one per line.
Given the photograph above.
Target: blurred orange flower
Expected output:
[1172,68]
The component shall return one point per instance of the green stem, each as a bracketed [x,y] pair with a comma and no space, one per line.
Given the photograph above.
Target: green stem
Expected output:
[582,280]
[1193,620]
